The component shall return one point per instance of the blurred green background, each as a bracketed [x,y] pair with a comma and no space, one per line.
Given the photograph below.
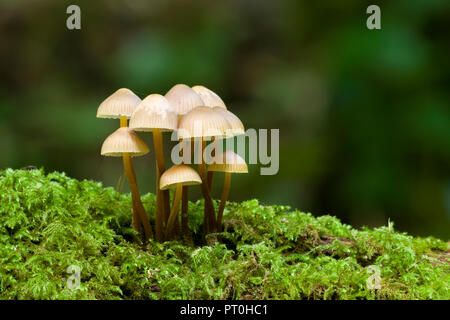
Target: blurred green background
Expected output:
[364,115]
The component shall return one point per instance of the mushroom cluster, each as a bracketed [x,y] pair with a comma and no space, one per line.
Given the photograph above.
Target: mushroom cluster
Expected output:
[198,116]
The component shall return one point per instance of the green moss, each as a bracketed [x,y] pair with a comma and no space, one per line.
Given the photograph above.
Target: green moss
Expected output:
[49,222]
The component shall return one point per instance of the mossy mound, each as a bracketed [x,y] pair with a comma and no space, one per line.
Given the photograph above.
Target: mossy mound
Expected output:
[49,222]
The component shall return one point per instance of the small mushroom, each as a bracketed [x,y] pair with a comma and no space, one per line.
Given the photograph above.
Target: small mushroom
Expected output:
[209,97]
[125,143]
[228,162]
[236,128]
[183,99]
[201,123]
[119,105]
[156,114]
[177,176]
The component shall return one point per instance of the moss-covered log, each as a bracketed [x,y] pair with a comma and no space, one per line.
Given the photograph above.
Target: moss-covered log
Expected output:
[50,222]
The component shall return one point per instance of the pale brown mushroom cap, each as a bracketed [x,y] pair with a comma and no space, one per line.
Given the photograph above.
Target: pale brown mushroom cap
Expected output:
[154,112]
[203,122]
[228,161]
[237,128]
[124,140]
[183,99]
[209,97]
[121,103]
[180,173]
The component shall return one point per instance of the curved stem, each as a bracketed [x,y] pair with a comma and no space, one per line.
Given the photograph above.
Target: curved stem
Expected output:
[209,212]
[174,213]
[158,143]
[135,219]
[184,204]
[119,185]
[184,211]
[209,179]
[185,188]
[136,224]
[159,217]
[223,199]
[136,198]
[161,209]
[210,174]
[166,204]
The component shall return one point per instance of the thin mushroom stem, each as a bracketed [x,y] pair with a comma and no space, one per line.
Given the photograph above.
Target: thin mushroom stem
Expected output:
[165,193]
[135,220]
[123,121]
[162,199]
[159,217]
[184,211]
[136,226]
[136,198]
[223,199]
[176,224]
[185,197]
[209,179]
[174,213]
[119,185]
[209,212]
[166,203]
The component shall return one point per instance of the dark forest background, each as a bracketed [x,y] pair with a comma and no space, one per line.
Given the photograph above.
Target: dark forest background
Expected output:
[364,116]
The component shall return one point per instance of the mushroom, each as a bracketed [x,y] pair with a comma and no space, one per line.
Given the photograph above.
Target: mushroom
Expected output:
[125,143]
[183,99]
[201,123]
[177,176]
[120,105]
[236,128]
[209,97]
[156,114]
[228,162]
